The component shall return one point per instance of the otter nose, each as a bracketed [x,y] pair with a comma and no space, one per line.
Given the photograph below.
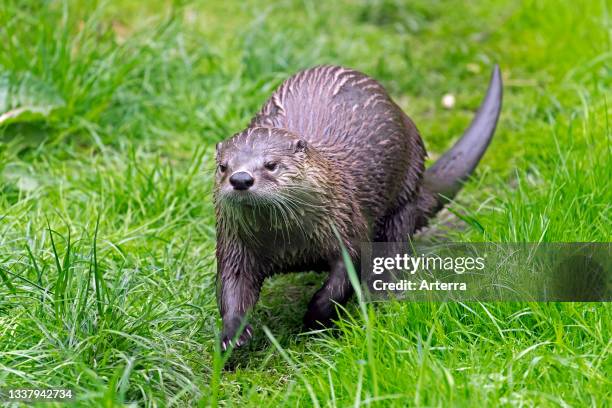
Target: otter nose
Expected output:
[241,180]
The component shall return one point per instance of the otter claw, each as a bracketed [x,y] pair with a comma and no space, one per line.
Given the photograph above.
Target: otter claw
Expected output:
[246,335]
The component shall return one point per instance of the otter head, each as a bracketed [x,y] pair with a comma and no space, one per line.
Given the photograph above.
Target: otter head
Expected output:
[262,183]
[259,166]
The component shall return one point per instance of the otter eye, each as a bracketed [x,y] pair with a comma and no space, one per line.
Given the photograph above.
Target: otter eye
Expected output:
[271,166]
[222,168]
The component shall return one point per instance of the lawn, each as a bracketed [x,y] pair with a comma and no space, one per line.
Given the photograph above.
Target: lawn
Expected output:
[109,114]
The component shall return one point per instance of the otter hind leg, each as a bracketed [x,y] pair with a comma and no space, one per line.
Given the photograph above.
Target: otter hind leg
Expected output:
[337,289]
[411,214]
[398,225]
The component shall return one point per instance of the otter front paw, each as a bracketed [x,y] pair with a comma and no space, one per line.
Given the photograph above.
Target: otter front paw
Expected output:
[318,319]
[228,337]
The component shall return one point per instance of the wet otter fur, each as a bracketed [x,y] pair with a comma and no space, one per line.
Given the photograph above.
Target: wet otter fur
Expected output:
[329,151]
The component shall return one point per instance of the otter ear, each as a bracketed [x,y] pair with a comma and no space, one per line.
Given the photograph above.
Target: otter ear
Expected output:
[217,148]
[299,145]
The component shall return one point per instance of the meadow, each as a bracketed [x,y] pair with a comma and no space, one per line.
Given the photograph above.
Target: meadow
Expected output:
[109,115]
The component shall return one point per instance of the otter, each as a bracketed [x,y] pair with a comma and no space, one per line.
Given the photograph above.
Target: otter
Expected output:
[330,161]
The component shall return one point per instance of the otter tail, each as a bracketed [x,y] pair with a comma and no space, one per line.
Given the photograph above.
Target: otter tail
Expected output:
[446,176]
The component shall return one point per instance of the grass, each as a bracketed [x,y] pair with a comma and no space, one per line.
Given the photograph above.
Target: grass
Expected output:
[107,227]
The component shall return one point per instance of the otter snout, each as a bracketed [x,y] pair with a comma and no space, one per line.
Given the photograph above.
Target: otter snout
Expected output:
[241,180]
